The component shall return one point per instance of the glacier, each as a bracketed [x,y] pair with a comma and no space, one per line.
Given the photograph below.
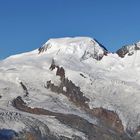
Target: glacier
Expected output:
[87,83]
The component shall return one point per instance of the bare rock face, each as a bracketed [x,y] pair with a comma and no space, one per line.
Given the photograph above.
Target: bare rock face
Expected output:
[60,71]
[110,117]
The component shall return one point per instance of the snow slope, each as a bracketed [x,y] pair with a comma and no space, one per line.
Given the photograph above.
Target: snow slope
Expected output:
[80,47]
[108,80]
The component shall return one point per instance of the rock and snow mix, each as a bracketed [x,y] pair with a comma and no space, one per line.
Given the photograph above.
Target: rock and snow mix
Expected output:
[108,80]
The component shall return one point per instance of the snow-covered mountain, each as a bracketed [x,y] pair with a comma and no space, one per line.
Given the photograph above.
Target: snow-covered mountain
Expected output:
[128,49]
[80,47]
[71,88]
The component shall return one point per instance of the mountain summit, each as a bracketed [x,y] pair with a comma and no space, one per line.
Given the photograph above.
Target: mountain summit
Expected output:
[82,47]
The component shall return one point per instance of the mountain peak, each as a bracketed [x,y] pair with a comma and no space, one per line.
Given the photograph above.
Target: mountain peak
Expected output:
[83,47]
[128,49]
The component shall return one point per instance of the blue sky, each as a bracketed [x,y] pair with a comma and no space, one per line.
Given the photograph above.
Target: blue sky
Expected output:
[26,24]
